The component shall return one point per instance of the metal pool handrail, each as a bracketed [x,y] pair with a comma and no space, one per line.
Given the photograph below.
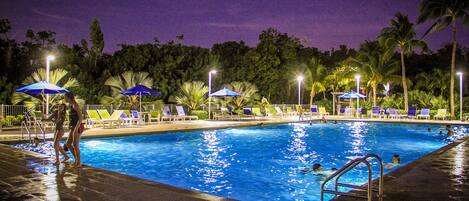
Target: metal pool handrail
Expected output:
[350,165]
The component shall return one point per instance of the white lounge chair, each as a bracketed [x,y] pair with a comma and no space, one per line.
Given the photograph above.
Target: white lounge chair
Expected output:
[182,114]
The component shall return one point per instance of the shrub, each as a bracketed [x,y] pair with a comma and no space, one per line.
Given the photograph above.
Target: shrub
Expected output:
[324,103]
[9,120]
[156,113]
[19,119]
[393,101]
[439,102]
[201,114]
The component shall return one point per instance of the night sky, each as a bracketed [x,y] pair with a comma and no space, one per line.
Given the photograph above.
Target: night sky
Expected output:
[324,24]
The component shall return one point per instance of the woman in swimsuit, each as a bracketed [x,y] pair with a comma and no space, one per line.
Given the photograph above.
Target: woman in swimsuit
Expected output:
[58,116]
[75,118]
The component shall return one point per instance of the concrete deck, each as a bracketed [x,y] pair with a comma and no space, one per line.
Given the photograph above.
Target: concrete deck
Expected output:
[27,176]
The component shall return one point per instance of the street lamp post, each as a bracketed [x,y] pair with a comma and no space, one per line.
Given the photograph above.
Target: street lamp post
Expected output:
[358,92]
[48,60]
[300,79]
[460,95]
[210,90]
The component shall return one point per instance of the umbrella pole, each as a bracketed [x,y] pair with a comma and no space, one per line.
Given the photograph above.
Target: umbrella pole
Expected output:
[140,102]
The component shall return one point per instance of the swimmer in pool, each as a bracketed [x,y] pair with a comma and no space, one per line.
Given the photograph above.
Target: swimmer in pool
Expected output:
[317,170]
[429,129]
[449,130]
[396,160]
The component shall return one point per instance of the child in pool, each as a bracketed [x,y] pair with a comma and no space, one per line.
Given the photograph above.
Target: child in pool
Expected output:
[317,170]
[396,160]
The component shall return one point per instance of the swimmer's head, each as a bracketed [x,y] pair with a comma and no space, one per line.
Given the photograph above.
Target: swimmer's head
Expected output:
[396,159]
[317,167]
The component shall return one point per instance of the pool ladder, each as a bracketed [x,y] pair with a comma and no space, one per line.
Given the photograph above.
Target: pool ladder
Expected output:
[31,121]
[368,189]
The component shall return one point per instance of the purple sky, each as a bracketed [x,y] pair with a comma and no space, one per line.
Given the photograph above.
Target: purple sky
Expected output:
[324,24]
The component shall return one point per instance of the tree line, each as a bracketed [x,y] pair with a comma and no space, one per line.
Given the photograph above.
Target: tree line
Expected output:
[388,65]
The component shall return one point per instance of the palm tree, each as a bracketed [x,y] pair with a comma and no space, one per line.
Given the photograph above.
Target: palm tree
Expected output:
[58,76]
[428,82]
[375,66]
[248,94]
[401,35]
[445,13]
[340,77]
[315,74]
[192,95]
[124,81]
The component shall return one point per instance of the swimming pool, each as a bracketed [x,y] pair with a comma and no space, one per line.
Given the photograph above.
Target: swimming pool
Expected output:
[262,162]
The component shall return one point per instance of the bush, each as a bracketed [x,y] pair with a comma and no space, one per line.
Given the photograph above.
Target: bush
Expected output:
[393,101]
[324,103]
[201,114]
[156,113]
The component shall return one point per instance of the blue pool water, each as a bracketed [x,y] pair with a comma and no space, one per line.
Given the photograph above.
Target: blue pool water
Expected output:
[263,162]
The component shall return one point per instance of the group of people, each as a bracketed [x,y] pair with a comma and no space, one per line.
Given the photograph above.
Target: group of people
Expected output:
[75,126]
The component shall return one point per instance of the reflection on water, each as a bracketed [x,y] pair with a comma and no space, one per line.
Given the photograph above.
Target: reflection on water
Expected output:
[212,163]
[358,131]
[297,145]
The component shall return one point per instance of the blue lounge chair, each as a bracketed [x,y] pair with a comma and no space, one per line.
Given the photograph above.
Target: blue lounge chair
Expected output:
[348,112]
[375,111]
[412,112]
[247,112]
[135,115]
[393,114]
[424,113]
[341,111]
[362,111]
[314,109]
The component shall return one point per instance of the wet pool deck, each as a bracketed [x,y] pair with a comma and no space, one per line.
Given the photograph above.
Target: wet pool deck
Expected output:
[442,175]
[27,176]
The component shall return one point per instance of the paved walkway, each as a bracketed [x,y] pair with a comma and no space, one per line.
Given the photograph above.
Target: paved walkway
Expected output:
[26,176]
[440,176]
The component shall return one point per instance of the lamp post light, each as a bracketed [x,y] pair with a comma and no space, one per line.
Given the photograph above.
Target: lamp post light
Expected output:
[48,60]
[300,79]
[357,77]
[460,94]
[210,90]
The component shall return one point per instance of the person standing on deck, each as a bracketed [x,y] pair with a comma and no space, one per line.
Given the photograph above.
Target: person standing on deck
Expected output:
[75,118]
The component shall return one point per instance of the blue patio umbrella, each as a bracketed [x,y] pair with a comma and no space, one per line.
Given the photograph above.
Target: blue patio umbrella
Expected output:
[352,94]
[224,93]
[140,90]
[42,87]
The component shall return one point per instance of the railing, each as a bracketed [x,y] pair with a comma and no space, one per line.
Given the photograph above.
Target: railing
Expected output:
[32,121]
[349,166]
